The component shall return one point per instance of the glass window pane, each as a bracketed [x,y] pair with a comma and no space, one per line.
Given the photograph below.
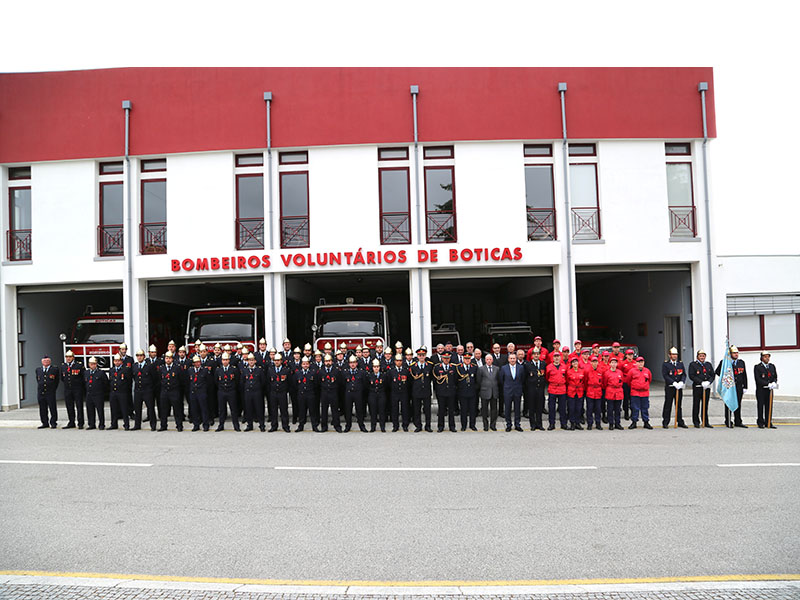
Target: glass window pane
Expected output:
[287,158]
[583,186]
[581,150]
[679,184]
[538,150]
[156,164]
[745,331]
[677,149]
[394,190]
[438,152]
[154,202]
[294,194]
[780,330]
[110,168]
[439,189]
[19,172]
[392,153]
[251,197]
[539,186]
[250,160]
[111,199]
[20,208]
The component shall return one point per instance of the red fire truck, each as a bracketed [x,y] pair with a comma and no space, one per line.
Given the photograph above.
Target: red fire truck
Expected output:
[97,334]
[224,325]
[351,323]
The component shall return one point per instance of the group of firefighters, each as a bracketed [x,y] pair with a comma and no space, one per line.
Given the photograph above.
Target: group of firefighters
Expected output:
[584,386]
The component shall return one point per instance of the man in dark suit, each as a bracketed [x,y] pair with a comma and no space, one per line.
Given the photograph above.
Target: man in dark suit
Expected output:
[510,384]
[488,392]
[766,377]
[47,379]
[71,374]
[740,380]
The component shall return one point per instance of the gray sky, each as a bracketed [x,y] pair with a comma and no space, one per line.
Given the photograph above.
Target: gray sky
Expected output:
[751,46]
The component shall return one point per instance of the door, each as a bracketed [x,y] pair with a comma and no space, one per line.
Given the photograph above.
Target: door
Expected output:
[672,333]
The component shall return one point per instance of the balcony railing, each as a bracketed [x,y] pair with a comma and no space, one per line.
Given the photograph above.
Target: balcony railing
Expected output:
[586,223]
[682,222]
[19,244]
[294,232]
[441,226]
[395,228]
[110,240]
[153,238]
[541,224]
[250,234]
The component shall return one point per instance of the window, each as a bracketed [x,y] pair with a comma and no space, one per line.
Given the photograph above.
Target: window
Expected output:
[437,152]
[111,168]
[18,236]
[584,200]
[531,150]
[154,165]
[582,150]
[678,149]
[293,158]
[249,211]
[540,202]
[294,209]
[250,160]
[764,322]
[680,196]
[394,195]
[153,230]
[440,204]
[110,242]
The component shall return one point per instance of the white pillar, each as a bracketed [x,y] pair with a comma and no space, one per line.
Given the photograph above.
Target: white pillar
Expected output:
[561,292]
[419,290]
[275,309]
[9,371]
[139,318]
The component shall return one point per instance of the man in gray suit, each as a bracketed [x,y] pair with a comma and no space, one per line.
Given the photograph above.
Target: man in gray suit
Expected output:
[488,392]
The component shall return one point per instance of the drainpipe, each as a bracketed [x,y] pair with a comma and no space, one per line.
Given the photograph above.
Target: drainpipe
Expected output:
[562,90]
[268,101]
[702,87]
[414,93]
[128,310]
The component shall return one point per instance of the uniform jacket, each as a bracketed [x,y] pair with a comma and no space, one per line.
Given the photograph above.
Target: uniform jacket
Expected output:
[355,381]
[739,373]
[145,377]
[376,383]
[119,380]
[278,379]
[253,381]
[170,378]
[612,383]
[421,378]
[556,378]
[593,382]
[575,382]
[47,383]
[444,380]
[96,383]
[305,383]
[765,374]
[640,381]
[535,375]
[700,372]
[72,375]
[227,381]
[466,380]
[329,380]
[398,381]
[199,380]
[672,373]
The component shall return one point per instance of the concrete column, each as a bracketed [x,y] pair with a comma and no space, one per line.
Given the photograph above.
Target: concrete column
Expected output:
[275,309]
[9,380]
[700,326]
[139,318]
[419,281]
[561,304]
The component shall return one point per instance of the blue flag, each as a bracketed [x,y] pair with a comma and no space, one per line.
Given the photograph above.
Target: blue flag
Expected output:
[726,384]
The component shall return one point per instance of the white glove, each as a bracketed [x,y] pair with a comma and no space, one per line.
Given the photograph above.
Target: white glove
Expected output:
[706,384]
[676,385]
[773,386]
[682,385]
[744,391]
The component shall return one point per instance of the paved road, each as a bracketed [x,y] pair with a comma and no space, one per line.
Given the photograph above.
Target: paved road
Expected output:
[212,504]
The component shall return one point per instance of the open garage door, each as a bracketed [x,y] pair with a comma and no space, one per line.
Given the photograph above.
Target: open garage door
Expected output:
[45,312]
[303,293]
[471,298]
[170,301]
[648,306]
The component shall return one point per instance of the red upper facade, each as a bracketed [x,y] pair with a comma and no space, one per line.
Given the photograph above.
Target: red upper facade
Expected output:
[78,114]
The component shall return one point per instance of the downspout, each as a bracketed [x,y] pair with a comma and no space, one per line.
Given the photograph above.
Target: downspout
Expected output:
[414,93]
[268,101]
[128,311]
[562,90]
[702,87]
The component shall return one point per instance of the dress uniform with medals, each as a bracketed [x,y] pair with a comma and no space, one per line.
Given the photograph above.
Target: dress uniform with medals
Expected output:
[329,379]
[674,375]
[701,374]
[305,385]
[376,395]
[145,383]
[47,378]
[444,384]
[96,384]
[355,389]
[253,382]
[227,384]
[119,385]
[467,392]
[170,375]
[766,377]
[71,374]
[399,402]
[278,377]
[740,380]
[421,379]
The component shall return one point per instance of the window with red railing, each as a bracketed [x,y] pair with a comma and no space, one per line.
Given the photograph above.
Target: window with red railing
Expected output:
[440,194]
[249,202]
[540,210]
[153,207]
[294,216]
[110,230]
[394,196]
[680,191]
[18,235]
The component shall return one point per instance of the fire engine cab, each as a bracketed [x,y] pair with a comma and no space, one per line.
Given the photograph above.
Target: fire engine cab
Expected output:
[97,334]
[354,324]
[513,331]
[223,325]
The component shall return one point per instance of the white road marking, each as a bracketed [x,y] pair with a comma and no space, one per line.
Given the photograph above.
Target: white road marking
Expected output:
[579,468]
[760,465]
[73,463]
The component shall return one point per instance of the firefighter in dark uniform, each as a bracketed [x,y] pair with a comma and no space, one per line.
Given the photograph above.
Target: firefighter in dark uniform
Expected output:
[305,389]
[766,376]
[144,375]
[253,382]
[740,380]
[47,378]
[376,391]
[262,356]
[169,375]
[127,359]
[386,360]
[119,385]
[421,379]
[467,391]
[199,382]
[227,383]
[355,388]
[397,380]
[209,363]
[701,373]
[71,375]
[278,377]
[674,375]
[329,379]
[155,361]
[96,384]
[535,384]
[444,383]
[183,364]
[294,365]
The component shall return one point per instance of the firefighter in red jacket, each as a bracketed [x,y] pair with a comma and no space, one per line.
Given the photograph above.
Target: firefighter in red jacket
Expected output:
[628,363]
[593,388]
[575,393]
[556,375]
[612,384]
[639,379]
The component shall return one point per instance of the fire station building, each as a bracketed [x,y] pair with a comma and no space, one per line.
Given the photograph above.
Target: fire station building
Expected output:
[576,200]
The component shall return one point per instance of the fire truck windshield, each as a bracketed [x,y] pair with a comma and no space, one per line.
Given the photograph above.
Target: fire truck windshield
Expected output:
[222,326]
[98,333]
[347,323]
[518,337]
